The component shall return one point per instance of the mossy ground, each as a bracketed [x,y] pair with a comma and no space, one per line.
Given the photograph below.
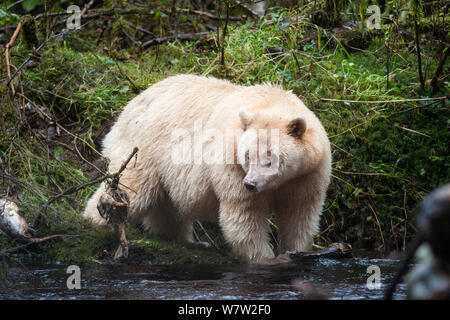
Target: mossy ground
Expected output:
[386,157]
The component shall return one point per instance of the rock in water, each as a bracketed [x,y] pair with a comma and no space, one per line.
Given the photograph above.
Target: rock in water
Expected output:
[334,251]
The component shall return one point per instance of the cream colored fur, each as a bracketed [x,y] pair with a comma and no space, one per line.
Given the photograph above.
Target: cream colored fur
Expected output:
[167,198]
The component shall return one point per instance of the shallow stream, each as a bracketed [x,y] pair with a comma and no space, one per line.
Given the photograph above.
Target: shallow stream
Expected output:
[334,279]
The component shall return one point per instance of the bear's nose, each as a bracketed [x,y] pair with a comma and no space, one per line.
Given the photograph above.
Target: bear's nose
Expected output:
[250,186]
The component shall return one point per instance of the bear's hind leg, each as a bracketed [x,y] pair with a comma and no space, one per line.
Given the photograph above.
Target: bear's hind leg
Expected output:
[91,211]
[166,222]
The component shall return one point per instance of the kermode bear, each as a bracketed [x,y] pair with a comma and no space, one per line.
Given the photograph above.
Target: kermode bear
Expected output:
[210,149]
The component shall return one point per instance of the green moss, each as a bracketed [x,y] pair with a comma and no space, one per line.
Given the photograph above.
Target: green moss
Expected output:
[97,245]
[156,250]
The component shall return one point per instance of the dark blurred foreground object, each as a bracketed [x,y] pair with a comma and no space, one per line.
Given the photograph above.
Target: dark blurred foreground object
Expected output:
[431,277]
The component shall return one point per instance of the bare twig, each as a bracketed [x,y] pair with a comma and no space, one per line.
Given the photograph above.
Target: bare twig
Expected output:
[406,219]
[52,119]
[30,241]
[412,131]
[378,223]
[135,88]
[55,36]
[83,158]
[388,63]
[8,46]
[224,35]
[95,13]
[78,188]
[385,101]
[139,28]
[419,57]
[137,44]
[418,107]
[114,176]
[207,14]
[180,36]
[124,165]
[207,235]
[438,71]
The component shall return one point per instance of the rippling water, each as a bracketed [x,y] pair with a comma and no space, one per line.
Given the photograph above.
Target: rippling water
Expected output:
[335,279]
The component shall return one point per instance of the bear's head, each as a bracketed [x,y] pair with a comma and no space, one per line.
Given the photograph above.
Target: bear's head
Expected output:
[271,149]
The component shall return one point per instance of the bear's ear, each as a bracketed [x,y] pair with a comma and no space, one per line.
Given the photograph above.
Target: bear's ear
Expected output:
[246,117]
[297,127]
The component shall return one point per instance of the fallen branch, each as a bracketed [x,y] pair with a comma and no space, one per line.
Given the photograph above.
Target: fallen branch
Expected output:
[140,28]
[96,13]
[207,14]
[386,101]
[137,44]
[181,36]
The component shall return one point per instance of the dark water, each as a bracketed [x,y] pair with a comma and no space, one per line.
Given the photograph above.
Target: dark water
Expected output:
[344,279]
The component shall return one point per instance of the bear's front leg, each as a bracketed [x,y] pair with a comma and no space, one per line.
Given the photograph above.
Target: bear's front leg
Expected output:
[245,227]
[298,217]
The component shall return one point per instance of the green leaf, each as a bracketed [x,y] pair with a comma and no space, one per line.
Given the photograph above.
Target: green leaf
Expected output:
[29,5]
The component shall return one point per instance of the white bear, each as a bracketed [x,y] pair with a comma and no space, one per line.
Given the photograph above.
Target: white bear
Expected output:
[212,150]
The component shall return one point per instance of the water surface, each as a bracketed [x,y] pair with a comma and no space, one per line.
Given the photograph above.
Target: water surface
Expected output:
[335,279]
